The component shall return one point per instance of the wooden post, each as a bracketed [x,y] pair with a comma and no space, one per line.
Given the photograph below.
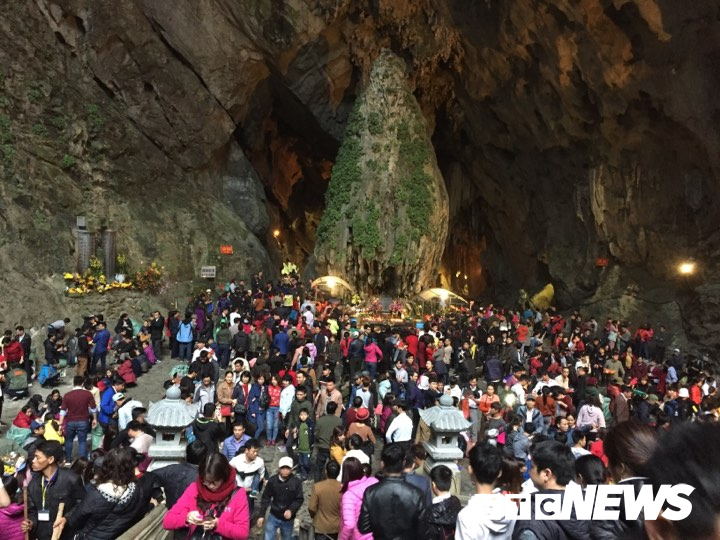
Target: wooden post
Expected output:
[58,531]
[25,509]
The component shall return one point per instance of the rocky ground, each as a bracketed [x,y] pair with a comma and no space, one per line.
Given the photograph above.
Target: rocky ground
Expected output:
[149,389]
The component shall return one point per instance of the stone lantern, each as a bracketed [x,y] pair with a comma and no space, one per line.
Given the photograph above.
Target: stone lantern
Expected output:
[445,422]
[169,417]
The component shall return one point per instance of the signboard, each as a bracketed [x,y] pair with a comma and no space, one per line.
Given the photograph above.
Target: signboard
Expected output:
[207,272]
[226,249]
[601,262]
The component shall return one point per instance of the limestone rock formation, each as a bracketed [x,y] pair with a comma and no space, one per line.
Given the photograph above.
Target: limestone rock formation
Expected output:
[385,219]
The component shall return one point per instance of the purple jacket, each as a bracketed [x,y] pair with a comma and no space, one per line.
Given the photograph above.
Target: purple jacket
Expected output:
[350,509]
[10,520]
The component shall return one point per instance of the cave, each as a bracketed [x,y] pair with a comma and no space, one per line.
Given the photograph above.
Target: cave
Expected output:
[575,143]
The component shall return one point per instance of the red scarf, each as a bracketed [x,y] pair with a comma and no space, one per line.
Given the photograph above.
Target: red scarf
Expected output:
[216,496]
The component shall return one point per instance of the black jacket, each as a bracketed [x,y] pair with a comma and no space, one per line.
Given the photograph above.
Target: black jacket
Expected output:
[66,487]
[157,328]
[240,342]
[541,529]
[610,529]
[384,502]
[175,479]
[439,520]
[211,433]
[280,496]
[101,516]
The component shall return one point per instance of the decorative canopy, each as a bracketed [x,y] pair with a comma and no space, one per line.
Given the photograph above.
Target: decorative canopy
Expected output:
[441,295]
[171,412]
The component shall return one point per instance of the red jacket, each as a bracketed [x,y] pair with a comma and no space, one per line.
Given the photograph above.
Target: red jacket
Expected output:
[234,522]
[13,351]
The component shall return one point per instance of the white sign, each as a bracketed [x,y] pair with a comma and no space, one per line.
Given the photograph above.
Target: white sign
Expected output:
[207,272]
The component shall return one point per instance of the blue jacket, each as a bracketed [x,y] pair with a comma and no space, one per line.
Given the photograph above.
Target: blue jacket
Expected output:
[254,401]
[107,406]
[537,418]
[281,341]
[231,446]
[101,339]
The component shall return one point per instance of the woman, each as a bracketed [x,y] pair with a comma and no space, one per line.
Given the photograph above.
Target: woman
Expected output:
[337,444]
[113,505]
[354,484]
[213,504]
[628,447]
[272,421]
[589,471]
[11,513]
[354,444]
[590,418]
[360,428]
[387,412]
[241,396]
[258,403]
[53,403]
[224,392]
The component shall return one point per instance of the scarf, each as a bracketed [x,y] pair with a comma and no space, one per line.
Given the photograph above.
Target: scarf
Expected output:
[221,494]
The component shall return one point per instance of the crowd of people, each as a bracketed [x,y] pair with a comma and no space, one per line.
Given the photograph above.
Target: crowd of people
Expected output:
[550,400]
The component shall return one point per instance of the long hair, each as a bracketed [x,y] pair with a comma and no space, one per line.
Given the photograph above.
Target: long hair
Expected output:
[352,470]
[214,468]
[118,468]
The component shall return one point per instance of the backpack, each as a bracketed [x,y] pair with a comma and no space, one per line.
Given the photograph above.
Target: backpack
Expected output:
[185,334]
[47,374]
[190,434]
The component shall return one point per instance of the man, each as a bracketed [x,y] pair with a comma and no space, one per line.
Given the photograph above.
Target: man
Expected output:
[125,412]
[324,428]
[205,393]
[622,405]
[553,468]
[392,508]
[324,505]
[330,394]
[420,481]
[531,414]
[236,441]
[614,370]
[157,329]
[78,406]
[102,343]
[250,470]
[50,486]
[284,496]
[108,400]
[400,429]
[293,417]
[484,516]
[520,389]
[440,519]
[207,430]
[175,478]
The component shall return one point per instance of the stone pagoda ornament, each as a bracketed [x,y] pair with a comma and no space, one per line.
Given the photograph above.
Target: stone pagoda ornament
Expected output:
[169,417]
[445,423]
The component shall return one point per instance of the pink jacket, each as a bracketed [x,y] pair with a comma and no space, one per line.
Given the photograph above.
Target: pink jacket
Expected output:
[10,520]
[372,353]
[234,522]
[350,509]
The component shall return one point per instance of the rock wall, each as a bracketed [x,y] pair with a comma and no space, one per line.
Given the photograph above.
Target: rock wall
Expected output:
[386,213]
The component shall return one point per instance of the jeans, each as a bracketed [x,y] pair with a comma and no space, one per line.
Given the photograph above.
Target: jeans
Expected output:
[93,365]
[81,429]
[223,354]
[305,464]
[273,524]
[272,423]
[371,368]
[185,351]
[323,454]
[254,486]
[474,419]
[355,366]
[259,422]
[157,347]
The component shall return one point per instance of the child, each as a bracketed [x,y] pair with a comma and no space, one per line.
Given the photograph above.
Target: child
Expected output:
[439,521]
[305,439]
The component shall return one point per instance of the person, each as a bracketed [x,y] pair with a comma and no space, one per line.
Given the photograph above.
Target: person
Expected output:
[530,413]
[206,429]
[628,447]
[337,444]
[283,494]
[687,454]
[420,481]
[233,445]
[125,413]
[440,519]
[589,471]
[107,414]
[258,403]
[324,503]
[176,478]
[249,470]
[484,516]
[392,497]
[579,442]
[553,468]
[224,391]
[304,434]
[354,485]
[272,413]
[324,429]
[11,513]
[113,504]
[400,429]
[50,486]
[78,405]
[213,504]
[102,344]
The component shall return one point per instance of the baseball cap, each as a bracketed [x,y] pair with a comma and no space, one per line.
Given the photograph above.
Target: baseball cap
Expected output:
[35,424]
[118,396]
[286,461]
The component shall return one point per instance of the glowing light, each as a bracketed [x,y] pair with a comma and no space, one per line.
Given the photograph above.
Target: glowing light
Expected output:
[276,233]
[457,274]
[331,282]
[687,268]
[465,276]
[510,399]
[444,295]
